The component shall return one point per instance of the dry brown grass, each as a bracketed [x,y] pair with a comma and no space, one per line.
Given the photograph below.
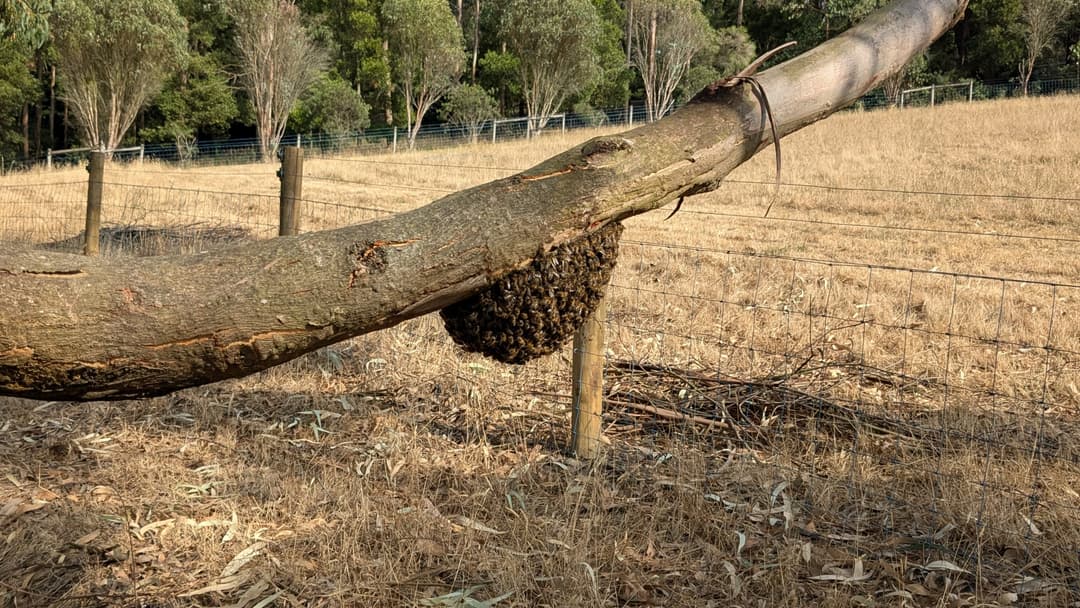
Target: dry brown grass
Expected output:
[893,434]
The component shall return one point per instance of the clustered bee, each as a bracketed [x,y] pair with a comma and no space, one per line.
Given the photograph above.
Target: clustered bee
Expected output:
[534,310]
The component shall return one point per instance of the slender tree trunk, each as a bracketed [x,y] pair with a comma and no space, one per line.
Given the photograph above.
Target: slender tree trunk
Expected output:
[52,106]
[26,131]
[476,41]
[409,115]
[650,81]
[76,327]
[38,124]
[503,89]
[738,15]
[388,86]
[113,126]
[1026,69]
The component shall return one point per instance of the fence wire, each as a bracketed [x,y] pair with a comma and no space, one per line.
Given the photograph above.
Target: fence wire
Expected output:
[41,212]
[893,414]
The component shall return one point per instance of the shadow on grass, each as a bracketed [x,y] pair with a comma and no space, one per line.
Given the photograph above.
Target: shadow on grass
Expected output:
[232,494]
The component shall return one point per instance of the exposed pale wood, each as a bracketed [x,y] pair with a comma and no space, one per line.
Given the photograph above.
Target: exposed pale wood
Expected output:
[74,327]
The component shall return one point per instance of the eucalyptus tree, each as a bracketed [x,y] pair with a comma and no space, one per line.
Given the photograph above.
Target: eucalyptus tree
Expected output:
[360,49]
[666,36]
[113,56]
[198,100]
[333,107]
[427,54]
[278,62]
[1042,20]
[555,44]
[469,106]
[731,50]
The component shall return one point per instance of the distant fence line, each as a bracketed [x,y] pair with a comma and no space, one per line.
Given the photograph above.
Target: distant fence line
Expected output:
[50,154]
[934,88]
[389,140]
[968,90]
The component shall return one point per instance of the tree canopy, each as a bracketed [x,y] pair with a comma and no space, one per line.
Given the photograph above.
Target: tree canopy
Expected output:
[555,44]
[428,53]
[25,20]
[469,106]
[17,89]
[278,61]
[113,57]
[331,106]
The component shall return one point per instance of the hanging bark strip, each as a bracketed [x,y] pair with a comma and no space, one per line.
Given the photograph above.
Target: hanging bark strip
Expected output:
[111,328]
[746,75]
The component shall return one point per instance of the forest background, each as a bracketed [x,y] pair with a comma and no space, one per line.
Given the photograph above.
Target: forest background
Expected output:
[125,72]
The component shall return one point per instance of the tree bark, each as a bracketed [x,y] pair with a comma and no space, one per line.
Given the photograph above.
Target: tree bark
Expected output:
[26,131]
[650,72]
[476,41]
[111,328]
[52,106]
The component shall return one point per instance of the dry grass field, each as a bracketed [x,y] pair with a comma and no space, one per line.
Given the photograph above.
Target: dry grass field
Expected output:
[870,397]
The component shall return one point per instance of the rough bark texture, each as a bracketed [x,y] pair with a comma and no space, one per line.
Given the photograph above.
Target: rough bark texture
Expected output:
[90,328]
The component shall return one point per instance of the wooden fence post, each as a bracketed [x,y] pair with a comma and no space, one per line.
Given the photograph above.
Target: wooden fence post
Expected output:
[588,384]
[292,178]
[92,234]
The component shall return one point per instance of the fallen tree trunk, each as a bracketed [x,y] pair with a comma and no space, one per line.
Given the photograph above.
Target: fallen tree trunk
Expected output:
[82,328]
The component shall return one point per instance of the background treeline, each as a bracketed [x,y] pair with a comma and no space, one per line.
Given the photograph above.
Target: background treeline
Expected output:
[113,72]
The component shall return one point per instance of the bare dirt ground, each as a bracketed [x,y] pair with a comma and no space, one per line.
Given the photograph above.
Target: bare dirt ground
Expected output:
[868,398]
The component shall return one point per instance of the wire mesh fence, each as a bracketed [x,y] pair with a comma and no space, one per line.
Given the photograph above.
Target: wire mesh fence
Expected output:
[919,413]
[42,211]
[137,219]
[912,421]
[965,92]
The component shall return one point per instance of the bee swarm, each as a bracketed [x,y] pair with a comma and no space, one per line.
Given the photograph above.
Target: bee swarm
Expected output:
[532,311]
